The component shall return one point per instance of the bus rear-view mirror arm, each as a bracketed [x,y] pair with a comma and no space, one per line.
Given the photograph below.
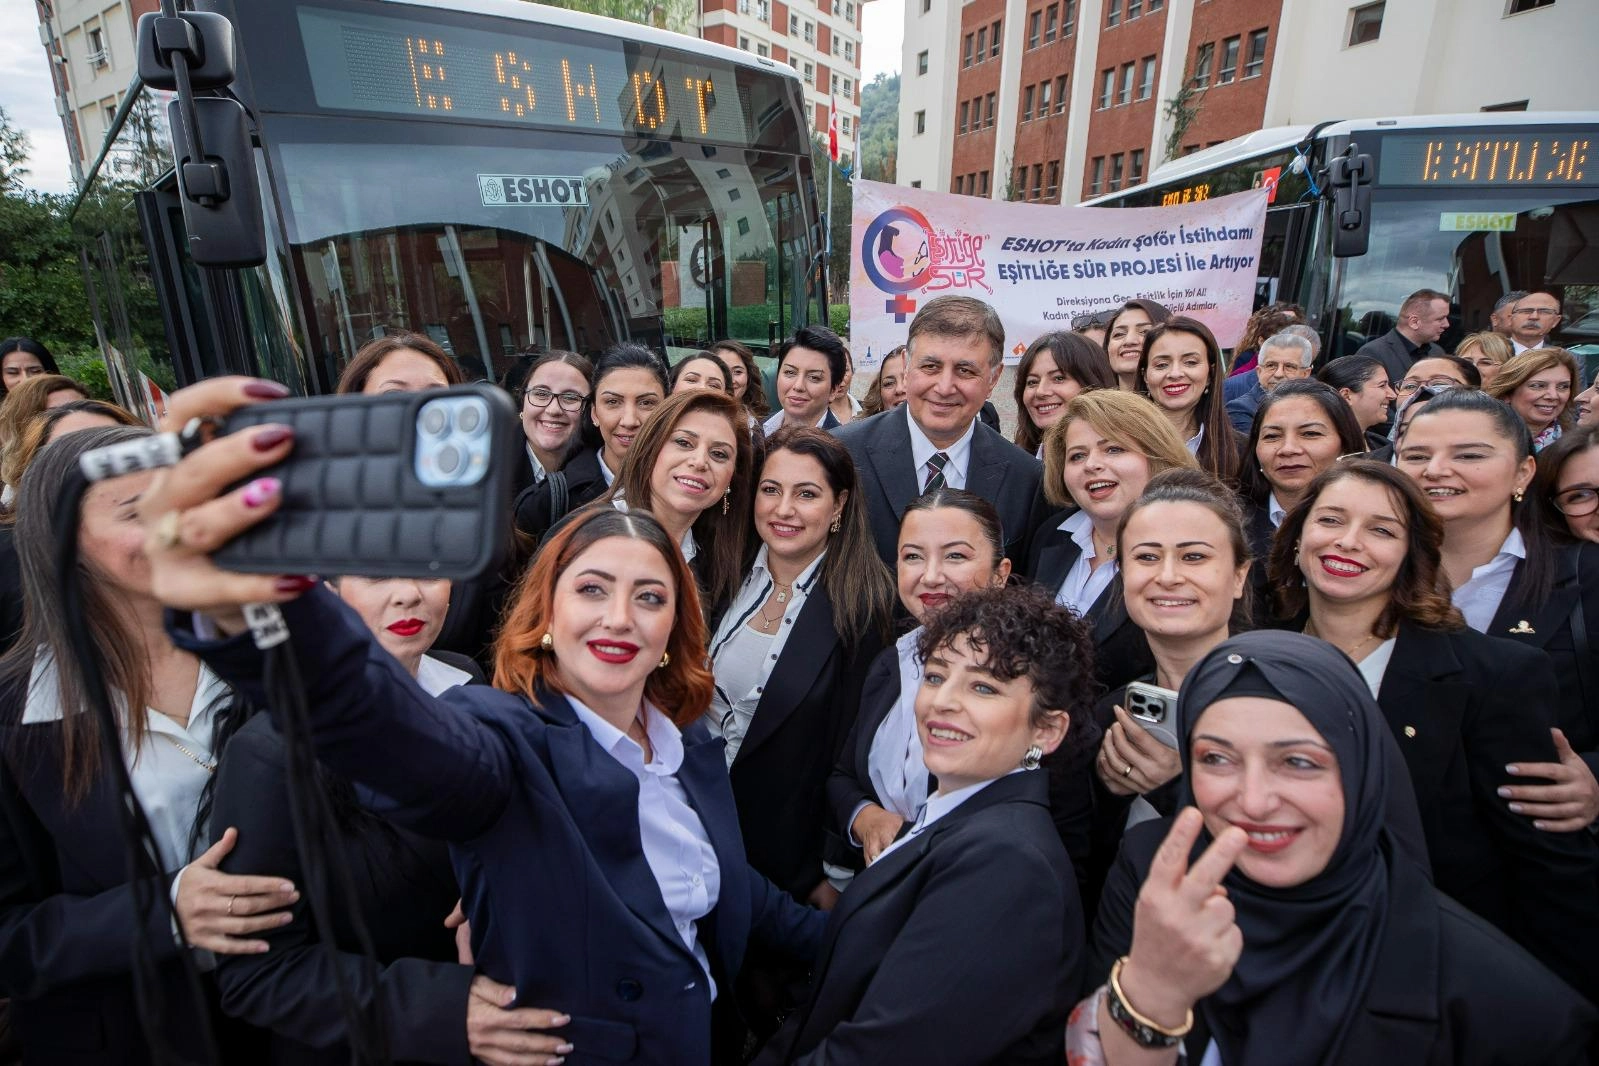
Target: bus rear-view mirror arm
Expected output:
[1349,179]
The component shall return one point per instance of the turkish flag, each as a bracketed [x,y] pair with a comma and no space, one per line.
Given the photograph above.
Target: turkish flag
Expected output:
[832,129]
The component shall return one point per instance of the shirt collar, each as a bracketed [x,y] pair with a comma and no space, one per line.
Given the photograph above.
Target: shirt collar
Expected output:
[1193,443]
[665,739]
[539,473]
[802,582]
[775,423]
[1275,511]
[1081,526]
[688,545]
[922,448]
[605,471]
[435,676]
[940,803]
[43,702]
[1517,347]
[1514,547]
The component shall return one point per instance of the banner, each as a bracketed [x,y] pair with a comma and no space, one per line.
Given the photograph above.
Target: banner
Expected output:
[1040,266]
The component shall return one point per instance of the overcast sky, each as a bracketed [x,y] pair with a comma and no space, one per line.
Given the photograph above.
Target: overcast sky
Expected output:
[882,31]
[26,95]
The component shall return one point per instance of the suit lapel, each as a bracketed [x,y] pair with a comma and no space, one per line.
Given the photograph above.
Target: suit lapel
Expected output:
[796,670]
[893,463]
[1424,726]
[1058,556]
[986,469]
[703,776]
[86,833]
[1109,612]
[1534,622]
[878,696]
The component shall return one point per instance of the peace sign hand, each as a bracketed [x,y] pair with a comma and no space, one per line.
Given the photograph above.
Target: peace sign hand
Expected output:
[1185,939]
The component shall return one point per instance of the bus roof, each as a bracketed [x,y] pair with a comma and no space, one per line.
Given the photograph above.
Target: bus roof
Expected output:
[522,11]
[1281,138]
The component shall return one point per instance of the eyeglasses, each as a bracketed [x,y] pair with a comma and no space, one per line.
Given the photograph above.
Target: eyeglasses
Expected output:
[539,396]
[1536,312]
[1408,387]
[1574,503]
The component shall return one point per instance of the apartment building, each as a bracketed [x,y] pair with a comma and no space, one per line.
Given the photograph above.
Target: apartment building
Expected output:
[821,40]
[1057,101]
[90,46]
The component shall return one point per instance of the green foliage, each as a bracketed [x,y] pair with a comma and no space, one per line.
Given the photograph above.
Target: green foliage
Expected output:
[87,368]
[41,284]
[838,318]
[680,16]
[880,128]
[13,156]
[686,325]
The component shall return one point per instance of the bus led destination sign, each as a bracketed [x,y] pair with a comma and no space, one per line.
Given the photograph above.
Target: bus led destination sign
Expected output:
[399,66]
[1480,160]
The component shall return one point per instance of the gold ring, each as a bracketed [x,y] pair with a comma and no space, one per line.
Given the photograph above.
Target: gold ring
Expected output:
[231,900]
[1128,771]
[167,534]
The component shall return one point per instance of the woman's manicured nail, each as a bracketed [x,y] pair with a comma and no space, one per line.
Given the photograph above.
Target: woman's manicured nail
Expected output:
[1512,769]
[295,584]
[271,437]
[260,491]
[1515,808]
[265,390]
[1504,793]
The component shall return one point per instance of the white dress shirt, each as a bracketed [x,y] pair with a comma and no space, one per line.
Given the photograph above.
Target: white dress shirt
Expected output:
[1275,511]
[1481,594]
[675,842]
[742,658]
[1084,583]
[605,471]
[938,805]
[687,545]
[775,422]
[167,782]
[1375,665]
[1517,347]
[539,473]
[435,676]
[1193,443]
[922,449]
[894,762]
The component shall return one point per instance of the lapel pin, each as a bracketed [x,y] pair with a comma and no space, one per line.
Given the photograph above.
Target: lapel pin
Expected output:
[1522,628]
[1410,730]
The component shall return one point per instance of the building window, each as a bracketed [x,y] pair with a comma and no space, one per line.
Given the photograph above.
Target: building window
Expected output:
[763,11]
[1096,183]
[966,51]
[921,63]
[965,107]
[1035,23]
[993,41]
[1068,23]
[810,33]
[927,5]
[960,184]
[1052,188]
[921,122]
[1019,190]
[849,88]
[1060,94]
[1134,9]
[793,25]
[1125,93]
[1255,60]
[1043,99]
[849,12]
[982,44]
[810,74]
[1027,103]
[983,184]
[1115,172]
[97,53]
[849,51]
[835,84]
[1365,23]
[743,227]
[1229,62]
[1135,167]
[1051,23]
[1107,86]
[1156,5]
[917,184]
[1202,63]
[1146,78]
[1038,181]
[762,50]
[744,44]
[1113,13]
[846,126]
[993,101]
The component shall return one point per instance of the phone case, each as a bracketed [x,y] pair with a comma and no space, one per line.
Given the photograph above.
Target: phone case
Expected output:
[353,503]
[1140,695]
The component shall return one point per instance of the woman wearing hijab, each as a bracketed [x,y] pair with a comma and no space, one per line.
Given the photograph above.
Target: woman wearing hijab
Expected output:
[1288,918]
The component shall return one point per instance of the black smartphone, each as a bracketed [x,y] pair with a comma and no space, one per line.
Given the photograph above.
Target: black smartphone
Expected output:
[1155,709]
[405,484]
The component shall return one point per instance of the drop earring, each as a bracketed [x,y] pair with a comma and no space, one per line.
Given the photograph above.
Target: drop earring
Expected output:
[727,500]
[838,521]
[1034,756]
[1516,497]
[548,642]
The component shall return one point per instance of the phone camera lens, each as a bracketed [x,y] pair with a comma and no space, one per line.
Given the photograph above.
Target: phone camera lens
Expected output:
[448,460]
[469,419]
[435,420]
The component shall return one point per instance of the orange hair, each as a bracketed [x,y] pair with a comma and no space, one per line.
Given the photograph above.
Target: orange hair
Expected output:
[681,689]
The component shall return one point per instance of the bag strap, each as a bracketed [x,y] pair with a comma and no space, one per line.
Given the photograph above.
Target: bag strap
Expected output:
[1579,640]
[559,497]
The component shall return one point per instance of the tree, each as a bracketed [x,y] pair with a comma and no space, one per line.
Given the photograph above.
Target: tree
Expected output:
[13,155]
[839,224]
[680,16]
[880,128]
[41,285]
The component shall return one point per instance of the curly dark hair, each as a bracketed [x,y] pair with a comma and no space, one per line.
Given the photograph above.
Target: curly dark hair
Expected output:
[1022,632]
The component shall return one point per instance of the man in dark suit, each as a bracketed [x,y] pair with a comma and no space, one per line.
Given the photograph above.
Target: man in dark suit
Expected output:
[810,365]
[936,439]
[1423,317]
[1283,357]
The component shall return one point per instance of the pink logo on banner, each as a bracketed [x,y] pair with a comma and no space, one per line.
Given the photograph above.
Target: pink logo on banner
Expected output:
[901,252]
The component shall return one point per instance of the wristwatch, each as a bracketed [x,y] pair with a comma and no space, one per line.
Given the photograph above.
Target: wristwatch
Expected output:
[1146,1032]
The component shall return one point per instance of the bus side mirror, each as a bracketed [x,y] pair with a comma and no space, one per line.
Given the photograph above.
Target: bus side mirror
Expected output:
[205,39]
[1349,177]
[221,200]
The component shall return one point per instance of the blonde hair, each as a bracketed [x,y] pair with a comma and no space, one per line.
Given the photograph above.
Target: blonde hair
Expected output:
[1494,345]
[1519,369]
[29,398]
[1124,417]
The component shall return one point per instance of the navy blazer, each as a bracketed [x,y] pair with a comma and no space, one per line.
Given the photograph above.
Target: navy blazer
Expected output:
[964,945]
[1392,352]
[1121,652]
[996,470]
[544,834]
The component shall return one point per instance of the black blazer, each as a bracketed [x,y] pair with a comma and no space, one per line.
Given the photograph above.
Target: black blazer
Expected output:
[1449,989]
[68,915]
[964,945]
[780,773]
[1565,624]
[850,784]
[997,470]
[1121,653]
[1461,706]
[544,834]
[585,482]
[404,889]
[1393,353]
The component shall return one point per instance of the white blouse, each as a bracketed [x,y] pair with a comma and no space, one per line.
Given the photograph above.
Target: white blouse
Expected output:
[894,763]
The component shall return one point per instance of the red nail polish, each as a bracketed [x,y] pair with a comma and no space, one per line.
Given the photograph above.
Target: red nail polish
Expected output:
[295,584]
[271,437]
[265,390]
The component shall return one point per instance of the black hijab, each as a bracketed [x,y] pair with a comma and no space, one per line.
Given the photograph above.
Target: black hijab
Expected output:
[1309,950]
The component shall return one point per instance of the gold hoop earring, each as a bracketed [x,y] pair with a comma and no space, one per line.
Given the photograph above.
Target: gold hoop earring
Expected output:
[727,500]
[666,660]
[548,642]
